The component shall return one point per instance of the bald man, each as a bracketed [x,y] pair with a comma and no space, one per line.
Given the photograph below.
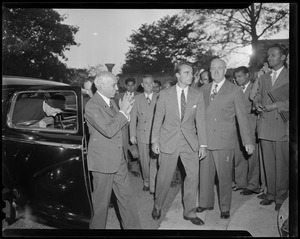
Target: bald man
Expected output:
[224,103]
[105,153]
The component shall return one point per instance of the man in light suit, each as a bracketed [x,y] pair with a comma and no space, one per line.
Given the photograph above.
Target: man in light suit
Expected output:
[179,130]
[272,129]
[105,153]
[246,166]
[140,131]
[224,103]
[133,166]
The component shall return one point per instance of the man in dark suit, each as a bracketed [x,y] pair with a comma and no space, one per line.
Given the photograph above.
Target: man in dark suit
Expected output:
[131,157]
[272,128]
[179,130]
[224,102]
[246,167]
[140,131]
[105,153]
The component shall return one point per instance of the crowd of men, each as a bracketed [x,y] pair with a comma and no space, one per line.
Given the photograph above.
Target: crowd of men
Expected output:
[235,131]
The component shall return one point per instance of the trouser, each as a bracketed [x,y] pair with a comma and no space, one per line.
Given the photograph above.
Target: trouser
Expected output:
[276,159]
[220,162]
[167,166]
[103,184]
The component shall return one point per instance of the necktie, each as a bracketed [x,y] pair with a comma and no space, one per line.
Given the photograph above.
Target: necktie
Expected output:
[112,108]
[274,77]
[148,99]
[183,104]
[214,92]
[243,87]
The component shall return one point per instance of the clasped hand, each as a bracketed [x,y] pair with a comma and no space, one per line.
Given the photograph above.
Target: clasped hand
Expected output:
[127,103]
[249,148]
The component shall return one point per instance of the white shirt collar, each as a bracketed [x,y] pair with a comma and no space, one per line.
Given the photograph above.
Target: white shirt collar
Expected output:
[107,100]
[149,96]
[246,86]
[178,90]
[219,84]
[277,72]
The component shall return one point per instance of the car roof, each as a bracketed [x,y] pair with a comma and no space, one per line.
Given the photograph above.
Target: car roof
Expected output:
[19,80]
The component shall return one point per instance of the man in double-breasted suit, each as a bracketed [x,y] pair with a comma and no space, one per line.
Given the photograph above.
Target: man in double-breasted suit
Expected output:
[272,101]
[130,85]
[105,153]
[224,103]
[179,130]
[246,167]
[141,122]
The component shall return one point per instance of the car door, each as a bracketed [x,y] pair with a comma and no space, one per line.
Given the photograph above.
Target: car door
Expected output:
[47,167]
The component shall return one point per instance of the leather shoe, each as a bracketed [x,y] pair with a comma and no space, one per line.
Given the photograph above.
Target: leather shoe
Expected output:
[225,215]
[266,202]
[247,192]
[277,207]
[235,188]
[156,214]
[262,196]
[202,209]
[195,220]
[145,188]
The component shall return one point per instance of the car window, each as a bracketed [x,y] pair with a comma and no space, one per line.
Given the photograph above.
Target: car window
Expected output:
[45,111]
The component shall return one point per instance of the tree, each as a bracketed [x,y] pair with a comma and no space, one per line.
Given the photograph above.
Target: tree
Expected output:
[236,28]
[157,46]
[33,40]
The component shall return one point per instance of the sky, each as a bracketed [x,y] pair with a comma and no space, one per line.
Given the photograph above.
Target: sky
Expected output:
[103,35]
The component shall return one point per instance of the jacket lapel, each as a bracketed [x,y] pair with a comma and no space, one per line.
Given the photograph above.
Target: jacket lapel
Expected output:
[173,93]
[103,104]
[281,79]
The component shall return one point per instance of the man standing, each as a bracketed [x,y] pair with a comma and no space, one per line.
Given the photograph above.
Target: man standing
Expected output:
[246,167]
[179,130]
[132,158]
[224,102]
[105,154]
[272,102]
[140,131]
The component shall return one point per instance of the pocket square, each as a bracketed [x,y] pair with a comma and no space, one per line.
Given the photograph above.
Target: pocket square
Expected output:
[194,106]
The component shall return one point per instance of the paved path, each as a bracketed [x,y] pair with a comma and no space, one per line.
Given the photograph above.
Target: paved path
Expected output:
[246,214]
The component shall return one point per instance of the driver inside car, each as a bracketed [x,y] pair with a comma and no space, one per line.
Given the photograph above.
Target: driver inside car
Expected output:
[38,112]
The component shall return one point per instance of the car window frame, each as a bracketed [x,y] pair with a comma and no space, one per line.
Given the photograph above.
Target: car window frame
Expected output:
[39,129]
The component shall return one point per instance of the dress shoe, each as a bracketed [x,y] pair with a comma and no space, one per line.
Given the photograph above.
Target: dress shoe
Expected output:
[202,209]
[247,192]
[152,193]
[225,215]
[262,196]
[195,220]
[156,214]
[145,188]
[266,202]
[235,188]
[277,207]
[136,174]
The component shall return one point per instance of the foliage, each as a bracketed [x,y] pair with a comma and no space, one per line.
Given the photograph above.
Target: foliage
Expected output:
[230,29]
[33,40]
[158,46]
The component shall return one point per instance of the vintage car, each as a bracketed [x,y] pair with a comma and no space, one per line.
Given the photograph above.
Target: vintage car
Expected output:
[44,170]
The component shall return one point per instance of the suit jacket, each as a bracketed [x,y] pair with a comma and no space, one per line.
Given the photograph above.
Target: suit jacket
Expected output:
[270,124]
[28,109]
[141,118]
[167,125]
[105,148]
[252,116]
[220,117]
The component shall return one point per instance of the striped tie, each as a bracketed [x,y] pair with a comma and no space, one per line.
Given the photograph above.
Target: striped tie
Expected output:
[214,92]
[183,104]
[274,77]
[149,101]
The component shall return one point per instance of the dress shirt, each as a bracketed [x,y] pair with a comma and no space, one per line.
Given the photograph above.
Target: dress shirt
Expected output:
[178,90]
[245,86]
[149,96]
[107,101]
[277,73]
[219,85]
